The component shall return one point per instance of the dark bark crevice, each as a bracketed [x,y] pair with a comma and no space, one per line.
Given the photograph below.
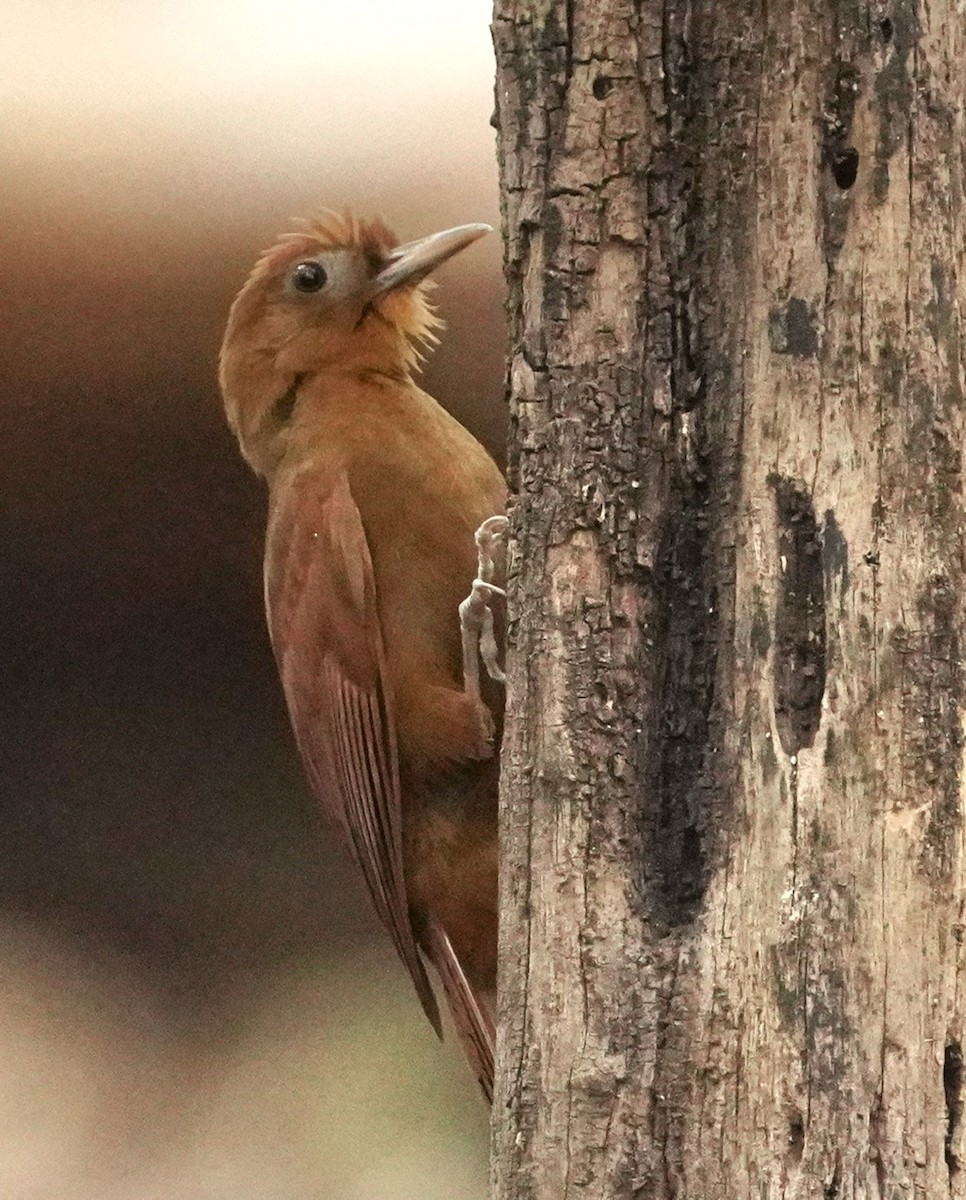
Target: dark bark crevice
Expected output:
[953,1092]
[800,635]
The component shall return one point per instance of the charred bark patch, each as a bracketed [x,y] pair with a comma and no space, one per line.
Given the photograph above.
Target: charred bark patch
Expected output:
[793,329]
[556,281]
[800,636]
[688,582]
[691,640]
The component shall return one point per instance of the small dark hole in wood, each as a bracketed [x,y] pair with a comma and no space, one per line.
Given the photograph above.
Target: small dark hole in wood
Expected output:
[885,28]
[602,87]
[845,167]
[796,1137]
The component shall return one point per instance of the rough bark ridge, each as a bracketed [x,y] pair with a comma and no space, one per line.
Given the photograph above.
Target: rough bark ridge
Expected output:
[732,823]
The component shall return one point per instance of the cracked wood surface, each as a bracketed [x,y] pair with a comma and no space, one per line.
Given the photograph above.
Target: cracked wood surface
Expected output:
[732,879]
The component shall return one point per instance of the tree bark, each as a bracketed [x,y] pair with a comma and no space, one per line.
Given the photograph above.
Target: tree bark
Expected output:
[732,817]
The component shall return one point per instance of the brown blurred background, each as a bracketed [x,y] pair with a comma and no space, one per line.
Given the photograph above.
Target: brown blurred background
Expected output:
[194,999]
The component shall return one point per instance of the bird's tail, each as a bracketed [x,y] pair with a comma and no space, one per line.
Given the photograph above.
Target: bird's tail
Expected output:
[472,1015]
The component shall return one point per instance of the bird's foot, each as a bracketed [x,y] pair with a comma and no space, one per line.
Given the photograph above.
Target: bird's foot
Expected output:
[476,612]
[479,639]
[490,541]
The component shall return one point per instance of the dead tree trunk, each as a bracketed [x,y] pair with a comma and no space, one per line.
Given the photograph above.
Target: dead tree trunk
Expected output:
[732,884]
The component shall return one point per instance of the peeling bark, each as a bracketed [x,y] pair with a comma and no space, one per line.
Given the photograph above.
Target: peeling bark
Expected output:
[732,816]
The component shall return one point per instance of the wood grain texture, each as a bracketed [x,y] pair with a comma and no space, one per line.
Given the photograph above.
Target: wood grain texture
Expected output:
[732,875]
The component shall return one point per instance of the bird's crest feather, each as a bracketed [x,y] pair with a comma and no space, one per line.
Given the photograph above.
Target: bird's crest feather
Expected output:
[407,308]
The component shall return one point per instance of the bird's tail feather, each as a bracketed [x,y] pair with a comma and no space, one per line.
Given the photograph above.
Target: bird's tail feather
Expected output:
[471,1014]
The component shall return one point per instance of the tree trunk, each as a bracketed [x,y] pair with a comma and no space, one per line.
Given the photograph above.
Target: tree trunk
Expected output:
[732,878]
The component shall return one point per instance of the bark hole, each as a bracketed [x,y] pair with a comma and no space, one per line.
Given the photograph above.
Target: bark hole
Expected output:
[602,87]
[845,167]
[799,655]
[885,28]
[953,1089]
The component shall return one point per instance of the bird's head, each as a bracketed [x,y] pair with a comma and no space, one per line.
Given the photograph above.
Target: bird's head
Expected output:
[338,294]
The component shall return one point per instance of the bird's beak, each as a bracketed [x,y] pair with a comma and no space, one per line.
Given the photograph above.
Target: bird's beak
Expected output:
[412,262]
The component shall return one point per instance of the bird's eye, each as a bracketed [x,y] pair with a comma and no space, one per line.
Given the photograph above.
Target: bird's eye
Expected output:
[309,277]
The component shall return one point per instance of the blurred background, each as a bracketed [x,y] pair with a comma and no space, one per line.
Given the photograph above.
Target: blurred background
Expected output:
[194,999]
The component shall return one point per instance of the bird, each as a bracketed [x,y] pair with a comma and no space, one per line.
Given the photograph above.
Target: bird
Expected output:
[384,553]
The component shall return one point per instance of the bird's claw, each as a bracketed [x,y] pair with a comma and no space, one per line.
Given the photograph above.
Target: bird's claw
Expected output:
[490,541]
[479,638]
[476,613]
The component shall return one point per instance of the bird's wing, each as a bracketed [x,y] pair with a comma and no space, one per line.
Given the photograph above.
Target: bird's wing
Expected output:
[471,1016]
[321,601]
